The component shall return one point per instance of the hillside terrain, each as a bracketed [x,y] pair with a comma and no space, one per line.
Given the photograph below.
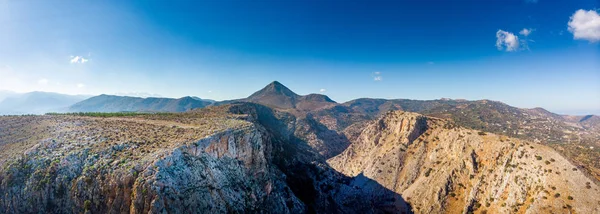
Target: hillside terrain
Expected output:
[439,167]
[112,103]
[575,137]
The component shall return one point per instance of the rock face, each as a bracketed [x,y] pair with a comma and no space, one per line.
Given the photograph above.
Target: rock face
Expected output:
[439,167]
[229,159]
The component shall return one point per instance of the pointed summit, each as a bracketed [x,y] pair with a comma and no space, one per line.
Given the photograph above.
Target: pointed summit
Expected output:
[276,95]
[274,89]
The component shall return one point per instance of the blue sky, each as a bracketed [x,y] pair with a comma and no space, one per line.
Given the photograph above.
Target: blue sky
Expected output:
[525,53]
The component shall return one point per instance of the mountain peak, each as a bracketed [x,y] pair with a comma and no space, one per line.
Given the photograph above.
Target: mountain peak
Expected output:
[274,88]
[275,94]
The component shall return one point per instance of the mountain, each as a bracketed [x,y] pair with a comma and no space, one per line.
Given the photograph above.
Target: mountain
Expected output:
[112,103]
[440,167]
[277,95]
[4,94]
[38,103]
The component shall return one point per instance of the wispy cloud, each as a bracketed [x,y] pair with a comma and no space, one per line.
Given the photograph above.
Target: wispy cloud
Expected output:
[377,76]
[322,90]
[531,1]
[138,94]
[585,25]
[78,59]
[526,31]
[430,63]
[80,85]
[43,81]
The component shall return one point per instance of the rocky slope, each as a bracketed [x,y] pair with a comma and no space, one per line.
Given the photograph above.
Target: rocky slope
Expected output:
[229,159]
[439,167]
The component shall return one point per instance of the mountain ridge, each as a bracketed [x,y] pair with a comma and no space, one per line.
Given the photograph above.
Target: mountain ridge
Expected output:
[114,103]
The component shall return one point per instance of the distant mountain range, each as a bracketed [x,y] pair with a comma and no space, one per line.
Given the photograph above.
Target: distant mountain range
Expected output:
[36,102]
[12,103]
[112,103]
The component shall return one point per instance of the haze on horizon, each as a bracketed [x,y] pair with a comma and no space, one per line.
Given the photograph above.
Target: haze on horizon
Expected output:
[526,53]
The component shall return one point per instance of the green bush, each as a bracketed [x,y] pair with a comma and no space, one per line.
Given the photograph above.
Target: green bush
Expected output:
[87,205]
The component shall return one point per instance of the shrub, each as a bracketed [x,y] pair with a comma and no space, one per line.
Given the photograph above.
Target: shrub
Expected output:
[428,172]
[570,197]
[538,157]
[87,204]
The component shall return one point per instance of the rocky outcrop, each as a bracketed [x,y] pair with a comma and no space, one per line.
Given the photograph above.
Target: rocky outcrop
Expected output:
[439,167]
[225,172]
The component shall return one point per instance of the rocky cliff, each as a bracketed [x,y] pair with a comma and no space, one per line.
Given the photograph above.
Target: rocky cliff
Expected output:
[439,167]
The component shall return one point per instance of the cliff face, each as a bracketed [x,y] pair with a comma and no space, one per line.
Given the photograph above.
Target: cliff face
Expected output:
[439,167]
[211,161]
[225,172]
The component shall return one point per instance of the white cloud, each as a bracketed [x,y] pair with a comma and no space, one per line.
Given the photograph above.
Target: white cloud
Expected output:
[78,59]
[507,41]
[80,85]
[377,76]
[322,90]
[43,81]
[526,32]
[585,25]
[138,94]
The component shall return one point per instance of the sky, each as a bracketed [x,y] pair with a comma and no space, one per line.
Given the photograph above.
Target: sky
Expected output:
[526,53]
